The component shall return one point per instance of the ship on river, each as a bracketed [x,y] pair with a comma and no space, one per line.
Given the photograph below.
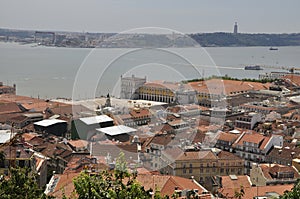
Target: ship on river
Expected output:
[255,67]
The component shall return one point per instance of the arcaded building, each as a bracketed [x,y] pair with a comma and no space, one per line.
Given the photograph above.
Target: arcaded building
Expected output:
[130,86]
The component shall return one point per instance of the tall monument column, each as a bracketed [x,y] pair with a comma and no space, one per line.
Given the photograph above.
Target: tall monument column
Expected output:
[235,28]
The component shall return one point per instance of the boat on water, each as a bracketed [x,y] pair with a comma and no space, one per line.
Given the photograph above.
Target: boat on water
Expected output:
[272,48]
[255,67]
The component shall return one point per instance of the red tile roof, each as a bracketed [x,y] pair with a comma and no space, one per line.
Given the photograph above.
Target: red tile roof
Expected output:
[243,180]
[229,137]
[9,107]
[140,112]
[168,184]
[196,155]
[78,143]
[228,87]
[251,192]
[225,155]
[64,185]
[253,137]
[295,78]
[272,169]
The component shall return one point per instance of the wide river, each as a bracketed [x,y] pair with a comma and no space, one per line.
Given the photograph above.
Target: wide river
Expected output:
[51,72]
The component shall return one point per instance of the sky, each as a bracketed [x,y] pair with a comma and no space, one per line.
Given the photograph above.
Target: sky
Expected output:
[186,16]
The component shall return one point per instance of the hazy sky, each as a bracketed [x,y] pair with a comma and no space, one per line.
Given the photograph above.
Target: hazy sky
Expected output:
[188,16]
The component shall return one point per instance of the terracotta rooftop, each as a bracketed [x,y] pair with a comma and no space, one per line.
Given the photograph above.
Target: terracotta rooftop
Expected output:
[255,138]
[228,87]
[228,137]
[165,184]
[140,112]
[70,110]
[285,152]
[295,78]
[12,152]
[162,128]
[9,107]
[28,136]
[173,86]
[114,149]
[30,103]
[64,185]
[225,155]
[172,153]
[251,192]
[270,170]
[196,155]
[228,182]
[78,143]
[162,139]
[168,184]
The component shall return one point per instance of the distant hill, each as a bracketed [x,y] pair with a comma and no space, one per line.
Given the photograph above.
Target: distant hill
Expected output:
[244,39]
[113,40]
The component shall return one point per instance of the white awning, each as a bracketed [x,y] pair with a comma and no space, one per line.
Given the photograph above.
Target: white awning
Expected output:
[49,122]
[96,119]
[116,130]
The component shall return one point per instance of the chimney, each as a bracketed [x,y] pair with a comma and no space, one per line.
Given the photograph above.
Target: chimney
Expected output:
[292,154]
[192,178]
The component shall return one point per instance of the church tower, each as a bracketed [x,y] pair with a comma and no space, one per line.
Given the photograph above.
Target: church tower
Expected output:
[107,103]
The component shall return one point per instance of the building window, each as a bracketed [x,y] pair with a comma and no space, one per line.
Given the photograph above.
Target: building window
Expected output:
[21,163]
[184,168]
[221,170]
[191,168]
[239,171]
[201,179]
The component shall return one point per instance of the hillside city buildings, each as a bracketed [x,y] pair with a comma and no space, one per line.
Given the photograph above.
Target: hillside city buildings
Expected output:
[208,137]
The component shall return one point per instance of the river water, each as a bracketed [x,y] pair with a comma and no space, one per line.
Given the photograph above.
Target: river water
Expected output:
[51,72]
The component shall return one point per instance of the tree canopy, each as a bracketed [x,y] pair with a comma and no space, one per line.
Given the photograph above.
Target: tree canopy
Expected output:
[119,183]
[294,193]
[20,185]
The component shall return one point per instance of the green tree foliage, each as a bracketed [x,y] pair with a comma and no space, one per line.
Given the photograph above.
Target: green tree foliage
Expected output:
[294,193]
[2,156]
[119,183]
[244,39]
[20,185]
[238,194]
